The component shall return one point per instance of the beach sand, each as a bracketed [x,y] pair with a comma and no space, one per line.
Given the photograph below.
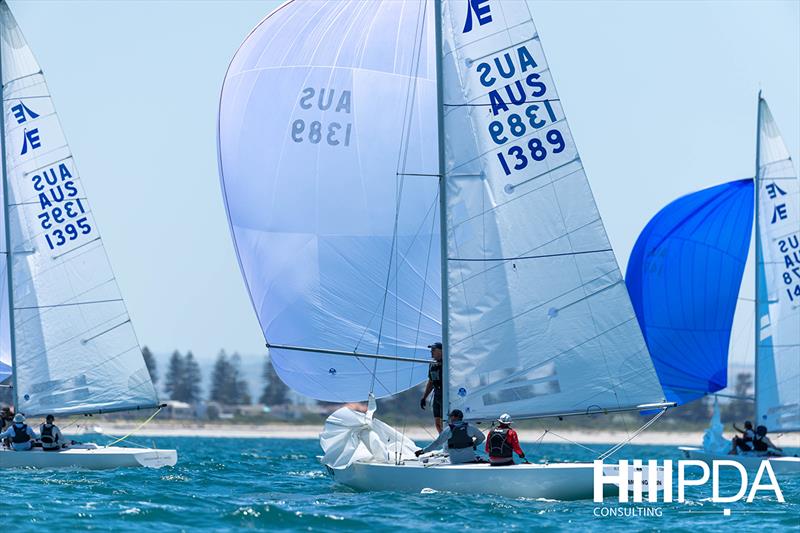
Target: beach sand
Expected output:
[417,433]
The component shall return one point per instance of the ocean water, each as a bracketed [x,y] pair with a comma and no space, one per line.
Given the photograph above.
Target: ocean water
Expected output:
[278,485]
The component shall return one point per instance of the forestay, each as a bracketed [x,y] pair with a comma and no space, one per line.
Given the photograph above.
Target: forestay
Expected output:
[328,158]
[540,321]
[76,348]
[684,276]
[778,281]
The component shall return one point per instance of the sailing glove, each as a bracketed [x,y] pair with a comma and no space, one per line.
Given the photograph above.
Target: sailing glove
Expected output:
[422,403]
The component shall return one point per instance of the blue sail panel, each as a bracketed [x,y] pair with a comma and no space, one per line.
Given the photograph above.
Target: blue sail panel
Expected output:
[683,277]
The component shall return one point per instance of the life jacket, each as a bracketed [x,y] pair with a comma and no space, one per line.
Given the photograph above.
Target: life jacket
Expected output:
[460,439]
[49,440]
[435,374]
[758,443]
[498,444]
[20,435]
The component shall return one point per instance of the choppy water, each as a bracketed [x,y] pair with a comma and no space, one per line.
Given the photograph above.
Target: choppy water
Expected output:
[277,485]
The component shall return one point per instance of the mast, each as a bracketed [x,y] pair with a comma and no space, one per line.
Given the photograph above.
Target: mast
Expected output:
[7,237]
[759,258]
[437,5]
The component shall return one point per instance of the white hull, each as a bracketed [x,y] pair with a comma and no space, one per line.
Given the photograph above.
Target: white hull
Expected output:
[89,456]
[564,481]
[750,462]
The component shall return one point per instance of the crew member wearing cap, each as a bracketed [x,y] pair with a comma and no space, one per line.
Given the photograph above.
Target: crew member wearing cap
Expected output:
[459,440]
[21,435]
[434,384]
[502,442]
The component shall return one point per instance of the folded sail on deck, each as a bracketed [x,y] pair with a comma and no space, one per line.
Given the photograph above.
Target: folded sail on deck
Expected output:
[540,321]
[76,349]
[684,276]
[778,281]
[327,155]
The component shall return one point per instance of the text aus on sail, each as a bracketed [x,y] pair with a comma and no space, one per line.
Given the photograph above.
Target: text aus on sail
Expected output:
[509,129]
[309,127]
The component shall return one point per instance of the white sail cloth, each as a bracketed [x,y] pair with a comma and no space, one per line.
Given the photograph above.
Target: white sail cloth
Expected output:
[76,349]
[327,156]
[778,281]
[350,436]
[540,320]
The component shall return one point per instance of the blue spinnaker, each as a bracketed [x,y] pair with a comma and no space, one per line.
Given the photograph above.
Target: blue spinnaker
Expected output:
[683,278]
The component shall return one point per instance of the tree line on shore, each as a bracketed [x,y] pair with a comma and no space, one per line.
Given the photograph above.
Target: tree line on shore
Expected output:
[183,380]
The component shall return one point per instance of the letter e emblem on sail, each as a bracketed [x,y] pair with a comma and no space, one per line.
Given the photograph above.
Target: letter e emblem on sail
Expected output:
[480,10]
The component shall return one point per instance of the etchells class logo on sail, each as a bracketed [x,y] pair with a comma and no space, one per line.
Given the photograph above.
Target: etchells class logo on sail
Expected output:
[479,11]
[30,139]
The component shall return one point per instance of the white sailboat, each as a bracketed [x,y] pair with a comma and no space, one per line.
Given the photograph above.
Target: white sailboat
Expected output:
[396,173]
[67,339]
[777,299]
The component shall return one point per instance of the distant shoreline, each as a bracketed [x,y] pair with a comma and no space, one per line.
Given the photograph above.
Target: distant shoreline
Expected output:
[416,433]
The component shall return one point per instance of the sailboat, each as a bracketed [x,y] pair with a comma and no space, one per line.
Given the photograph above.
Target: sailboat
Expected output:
[67,341]
[399,173]
[686,316]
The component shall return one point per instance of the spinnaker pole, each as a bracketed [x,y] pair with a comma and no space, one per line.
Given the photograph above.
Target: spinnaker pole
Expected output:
[437,4]
[7,220]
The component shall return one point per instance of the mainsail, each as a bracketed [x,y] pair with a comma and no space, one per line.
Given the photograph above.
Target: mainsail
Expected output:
[684,276]
[540,322]
[76,351]
[328,158]
[777,280]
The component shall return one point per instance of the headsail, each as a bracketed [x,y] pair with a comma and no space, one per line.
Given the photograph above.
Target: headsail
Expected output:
[327,155]
[77,351]
[778,281]
[540,321]
[684,276]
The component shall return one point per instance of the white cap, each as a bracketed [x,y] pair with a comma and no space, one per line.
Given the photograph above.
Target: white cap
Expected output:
[19,418]
[505,418]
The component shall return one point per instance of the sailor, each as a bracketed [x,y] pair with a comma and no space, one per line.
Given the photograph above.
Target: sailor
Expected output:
[502,442]
[434,384]
[6,416]
[21,434]
[761,442]
[745,441]
[459,439]
[51,437]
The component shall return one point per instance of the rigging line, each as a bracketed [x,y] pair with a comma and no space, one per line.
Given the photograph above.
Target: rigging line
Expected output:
[544,256]
[68,304]
[357,355]
[399,184]
[140,426]
[417,174]
[567,440]
[14,80]
[411,244]
[112,328]
[616,448]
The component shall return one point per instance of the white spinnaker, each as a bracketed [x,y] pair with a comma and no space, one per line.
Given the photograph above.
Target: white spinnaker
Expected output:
[76,349]
[778,351]
[540,321]
[326,126]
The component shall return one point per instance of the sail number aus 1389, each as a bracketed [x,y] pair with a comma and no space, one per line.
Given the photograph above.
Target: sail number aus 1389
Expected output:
[334,132]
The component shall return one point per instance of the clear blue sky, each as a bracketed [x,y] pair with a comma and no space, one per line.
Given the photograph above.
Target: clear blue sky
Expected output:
[661,99]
